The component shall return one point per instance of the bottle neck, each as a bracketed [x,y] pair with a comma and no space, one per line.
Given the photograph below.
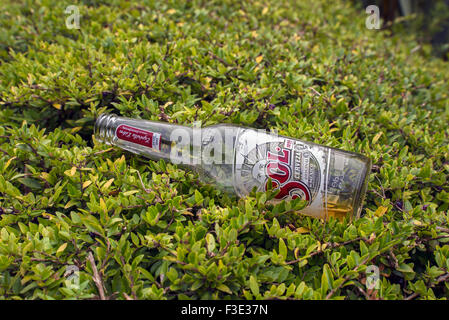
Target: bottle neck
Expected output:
[153,139]
[205,149]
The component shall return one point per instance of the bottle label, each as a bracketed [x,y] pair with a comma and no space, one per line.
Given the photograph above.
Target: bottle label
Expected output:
[139,136]
[296,168]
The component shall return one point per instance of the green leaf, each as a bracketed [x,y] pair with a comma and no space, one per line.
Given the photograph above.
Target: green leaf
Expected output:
[61,248]
[31,183]
[198,197]
[254,286]
[405,268]
[224,288]
[196,285]
[210,241]
[172,274]
[282,249]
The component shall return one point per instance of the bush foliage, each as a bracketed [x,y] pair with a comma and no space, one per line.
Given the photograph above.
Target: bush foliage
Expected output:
[138,229]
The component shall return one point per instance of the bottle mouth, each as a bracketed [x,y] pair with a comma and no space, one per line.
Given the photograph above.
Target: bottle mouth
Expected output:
[104,128]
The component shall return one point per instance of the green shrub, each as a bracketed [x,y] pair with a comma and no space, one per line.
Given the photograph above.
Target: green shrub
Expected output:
[138,229]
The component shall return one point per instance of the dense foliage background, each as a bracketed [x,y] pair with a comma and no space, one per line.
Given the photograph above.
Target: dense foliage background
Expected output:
[134,229]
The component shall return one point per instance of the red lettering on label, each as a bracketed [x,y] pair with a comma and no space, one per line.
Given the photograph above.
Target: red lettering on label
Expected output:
[285,158]
[278,170]
[139,136]
[293,189]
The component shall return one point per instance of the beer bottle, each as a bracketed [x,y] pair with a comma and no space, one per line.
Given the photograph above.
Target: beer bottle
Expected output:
[239,159]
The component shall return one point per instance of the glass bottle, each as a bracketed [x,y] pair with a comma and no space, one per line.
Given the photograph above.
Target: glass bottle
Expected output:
[238,159]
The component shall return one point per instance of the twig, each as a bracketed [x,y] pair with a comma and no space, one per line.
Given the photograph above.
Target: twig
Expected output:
[96,276]
[442,278]
[442,229]
[412,296]
[131,278]
[102,151]
[347,277]
[395,260]
[127,297]
[213,56]
[330,245]
[141,182]
[108,253]
[314,91]
[1,150]
[364,293]
[302,258]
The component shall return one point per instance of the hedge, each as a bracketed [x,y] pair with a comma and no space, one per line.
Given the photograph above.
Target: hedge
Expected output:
[130,228]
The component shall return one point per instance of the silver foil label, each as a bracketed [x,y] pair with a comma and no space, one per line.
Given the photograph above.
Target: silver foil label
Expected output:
[295,168]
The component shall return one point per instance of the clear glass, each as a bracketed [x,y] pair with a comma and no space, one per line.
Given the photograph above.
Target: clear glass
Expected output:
[238,159]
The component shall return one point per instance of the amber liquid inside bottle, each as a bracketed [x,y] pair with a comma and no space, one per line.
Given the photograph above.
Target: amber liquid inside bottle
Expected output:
[346,187]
